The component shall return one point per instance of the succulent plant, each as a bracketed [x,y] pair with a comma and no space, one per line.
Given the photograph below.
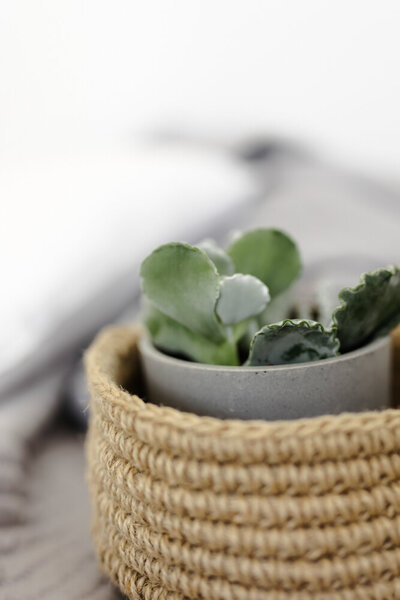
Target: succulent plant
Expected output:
[369,310]
[292,341]
[268,254]
[213,306]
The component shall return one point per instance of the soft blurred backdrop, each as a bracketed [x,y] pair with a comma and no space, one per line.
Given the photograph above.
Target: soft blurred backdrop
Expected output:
[87,75]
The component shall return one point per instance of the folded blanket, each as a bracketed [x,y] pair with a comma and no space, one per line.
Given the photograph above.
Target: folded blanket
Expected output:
[74,231]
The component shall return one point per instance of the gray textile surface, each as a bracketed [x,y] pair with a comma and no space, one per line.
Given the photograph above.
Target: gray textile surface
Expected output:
[45,548]
[342,224]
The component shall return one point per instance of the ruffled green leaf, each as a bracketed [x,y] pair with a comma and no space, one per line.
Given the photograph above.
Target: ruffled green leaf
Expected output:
[183,283]
[221,260]
[292,341]
[269,255]
[371,308]
[172,337]
[241,297]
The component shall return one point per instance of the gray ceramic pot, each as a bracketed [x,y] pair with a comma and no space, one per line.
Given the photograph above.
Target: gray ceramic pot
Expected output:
[353,382]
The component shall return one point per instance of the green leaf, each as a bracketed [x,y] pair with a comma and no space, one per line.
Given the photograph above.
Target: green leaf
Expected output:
[183,283]
[369,309]
[292,341]
[172,337]
[221,260]
[268,254]
[241,297]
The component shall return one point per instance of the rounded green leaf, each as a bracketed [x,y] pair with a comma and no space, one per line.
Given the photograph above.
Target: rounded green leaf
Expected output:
[370,308]
[221,260]
[173,337]
[269,255]
[183,283]
[292,341]
[241,297]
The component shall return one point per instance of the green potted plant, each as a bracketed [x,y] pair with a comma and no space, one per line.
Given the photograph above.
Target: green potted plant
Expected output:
[213,347]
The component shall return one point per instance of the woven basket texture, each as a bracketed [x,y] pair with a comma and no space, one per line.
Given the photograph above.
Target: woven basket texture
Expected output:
[187,507]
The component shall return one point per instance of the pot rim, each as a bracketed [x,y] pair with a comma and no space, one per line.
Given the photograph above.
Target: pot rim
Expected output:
[146,347]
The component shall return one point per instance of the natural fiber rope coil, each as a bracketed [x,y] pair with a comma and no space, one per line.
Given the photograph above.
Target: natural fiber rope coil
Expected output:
[188,507]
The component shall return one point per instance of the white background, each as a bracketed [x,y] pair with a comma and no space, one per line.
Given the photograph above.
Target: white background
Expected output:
[76,73]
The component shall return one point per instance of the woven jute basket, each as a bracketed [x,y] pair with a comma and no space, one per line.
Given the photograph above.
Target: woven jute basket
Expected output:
[188,507]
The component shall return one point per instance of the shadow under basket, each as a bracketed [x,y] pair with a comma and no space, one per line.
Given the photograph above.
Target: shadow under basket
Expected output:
[187,507]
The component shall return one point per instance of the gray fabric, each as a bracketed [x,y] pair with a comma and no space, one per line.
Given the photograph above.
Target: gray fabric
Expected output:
[45,548]
[343,225]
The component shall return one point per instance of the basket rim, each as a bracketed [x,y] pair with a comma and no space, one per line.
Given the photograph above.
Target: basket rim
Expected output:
[115,344]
